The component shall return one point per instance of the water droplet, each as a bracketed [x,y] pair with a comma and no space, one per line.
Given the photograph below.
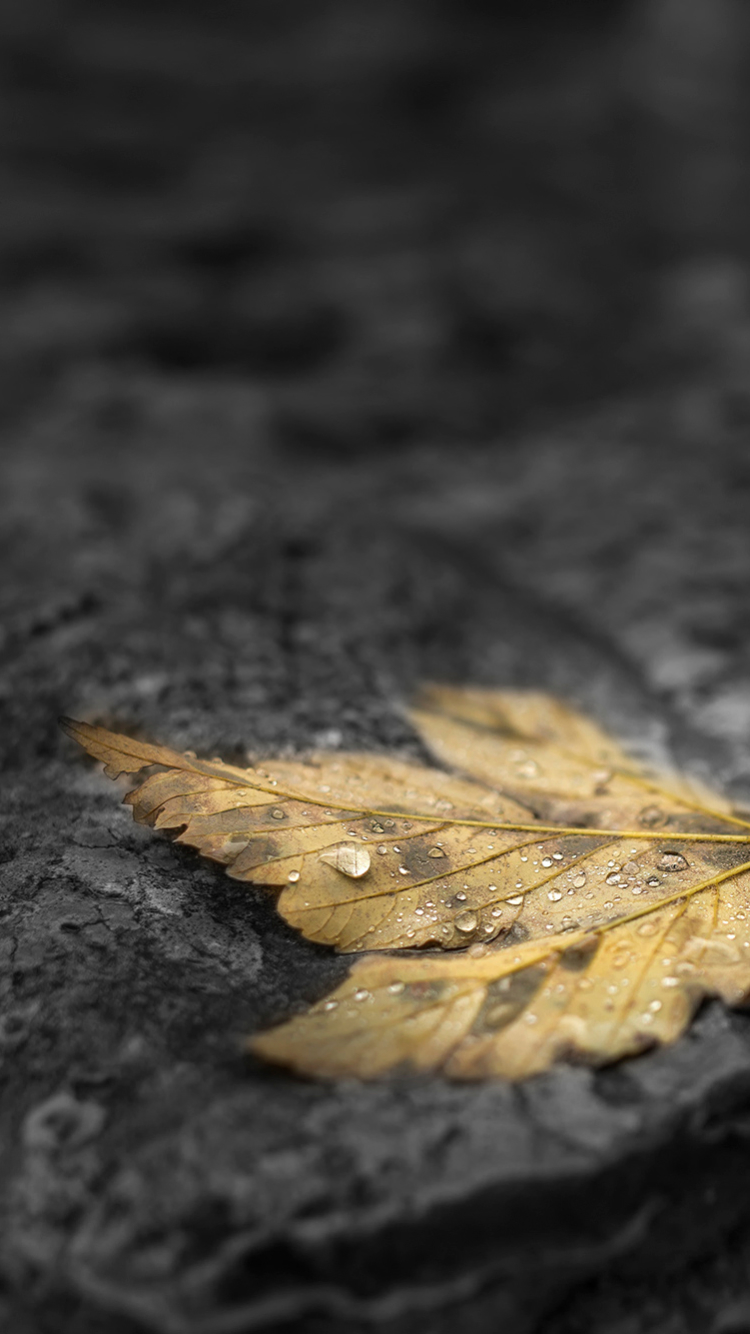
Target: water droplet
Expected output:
[646,1018]
[653,881]
[670,981]
[519,885]
[516,900]
[621,956]
[396,848]
[655,1006]
[324,787]
[554,895]
[347,858]
[557,856]
[530,1018]
[419,912]
[467,921]
[403,870]
[461,896]
[478,951]
[528,769]
[382,849]
[293,877]
[546,861]
[672,861]
[650,816]
[278,814]
[637,889]
[579,880]
[497,912]
[436,852]
[410,935]
[396,988]
[524,858]
[363,994]
[630,868]
[613,878]
[330,1005]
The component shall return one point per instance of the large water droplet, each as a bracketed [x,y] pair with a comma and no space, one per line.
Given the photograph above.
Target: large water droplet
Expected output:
[672,861]
[436,852]
[293,877]
[546,861]
[396,988]
[278,814]
[466,921]
[579,880]
[613,878]
[554,895]
[516,900]
[347,858]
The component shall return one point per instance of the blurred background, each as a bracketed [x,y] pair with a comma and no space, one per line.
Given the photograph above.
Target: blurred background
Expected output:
[397,219]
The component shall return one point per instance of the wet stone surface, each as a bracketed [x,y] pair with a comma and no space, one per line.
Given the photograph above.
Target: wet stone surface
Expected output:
[285,300]
[250,600]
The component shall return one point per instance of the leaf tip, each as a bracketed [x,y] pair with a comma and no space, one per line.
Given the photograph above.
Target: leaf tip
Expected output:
[73,728]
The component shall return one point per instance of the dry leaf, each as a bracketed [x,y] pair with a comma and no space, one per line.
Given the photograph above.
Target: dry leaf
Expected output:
[594,902]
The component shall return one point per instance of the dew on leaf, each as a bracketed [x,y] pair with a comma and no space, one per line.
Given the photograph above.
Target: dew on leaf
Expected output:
[672,861]
[349,859]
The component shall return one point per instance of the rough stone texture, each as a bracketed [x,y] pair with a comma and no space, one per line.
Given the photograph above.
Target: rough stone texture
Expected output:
[225,599]
[258,478]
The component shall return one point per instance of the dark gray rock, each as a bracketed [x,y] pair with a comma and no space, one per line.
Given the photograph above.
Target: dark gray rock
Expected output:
[229,598]
[277,281]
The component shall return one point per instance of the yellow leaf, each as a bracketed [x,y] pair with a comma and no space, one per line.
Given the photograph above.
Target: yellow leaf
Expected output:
[592,901]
